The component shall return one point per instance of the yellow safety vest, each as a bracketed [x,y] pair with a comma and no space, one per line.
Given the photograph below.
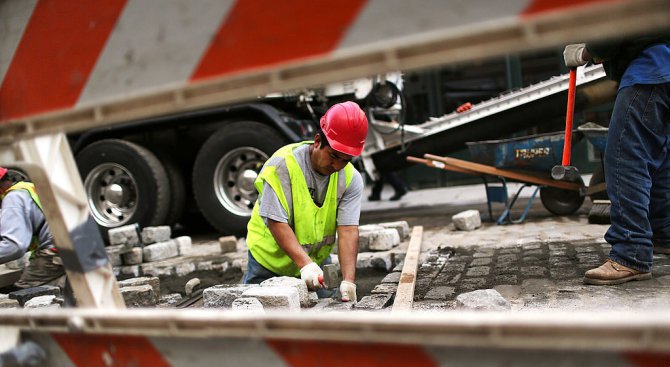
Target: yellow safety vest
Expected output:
[30,187]
[314,226]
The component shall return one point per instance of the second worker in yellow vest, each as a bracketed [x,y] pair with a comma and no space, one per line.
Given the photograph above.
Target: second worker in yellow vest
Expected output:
[309,192]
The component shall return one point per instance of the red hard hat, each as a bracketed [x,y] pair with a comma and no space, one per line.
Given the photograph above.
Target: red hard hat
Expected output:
[345,127]
[3,172]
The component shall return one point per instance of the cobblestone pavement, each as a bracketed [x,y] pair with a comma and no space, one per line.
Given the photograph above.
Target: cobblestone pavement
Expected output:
[535,265]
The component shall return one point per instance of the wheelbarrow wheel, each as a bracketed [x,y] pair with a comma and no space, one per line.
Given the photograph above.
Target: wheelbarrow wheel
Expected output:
[561,201]
[598,177]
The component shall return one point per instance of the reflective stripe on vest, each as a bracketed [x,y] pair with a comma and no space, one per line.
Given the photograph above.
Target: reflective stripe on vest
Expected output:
[314,226]
[30,187]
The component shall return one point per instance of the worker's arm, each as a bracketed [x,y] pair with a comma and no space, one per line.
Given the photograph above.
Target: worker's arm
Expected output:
[310,272]
[287,241]
[16,230]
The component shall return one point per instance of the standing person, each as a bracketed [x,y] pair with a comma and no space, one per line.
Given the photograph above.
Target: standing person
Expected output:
[396,182]
[637,157]
[308,192]
[23,228]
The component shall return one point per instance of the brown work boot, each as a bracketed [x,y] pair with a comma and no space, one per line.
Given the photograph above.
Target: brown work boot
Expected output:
[611,273]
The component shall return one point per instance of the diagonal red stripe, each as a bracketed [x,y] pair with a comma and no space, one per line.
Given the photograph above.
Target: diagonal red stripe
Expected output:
[109,350]
[263,33]
[56,55]
[326,354]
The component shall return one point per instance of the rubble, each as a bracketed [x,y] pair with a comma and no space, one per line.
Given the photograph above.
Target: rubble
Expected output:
[48,301]
[482,300]
[157,234]
[25,295]
[468,220]
[276,298]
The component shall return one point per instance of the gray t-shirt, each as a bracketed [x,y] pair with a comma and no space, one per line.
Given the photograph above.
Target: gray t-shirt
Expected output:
[348,208]
[21,218]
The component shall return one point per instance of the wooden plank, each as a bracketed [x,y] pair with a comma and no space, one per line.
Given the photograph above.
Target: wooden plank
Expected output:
[512,175]
[404,297]
[440,165]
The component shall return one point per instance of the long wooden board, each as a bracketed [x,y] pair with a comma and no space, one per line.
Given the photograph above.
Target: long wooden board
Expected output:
[404,297]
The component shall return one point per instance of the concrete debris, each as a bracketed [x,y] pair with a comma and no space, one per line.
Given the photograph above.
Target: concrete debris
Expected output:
[153,282]
[298,284]
[9,303]
[170,300]
[139,296]
[133,271]
[248,304]
[48,301]
[25,295]
[468,220]
[155,234]
[482,300]
[190,286]
[276,298]
[185,244]
[228,244]
[223,295]
[184,269]
[128,235]
[375,260]
[393,277]
[161,251]
[384,240]
[401,226]
[375,302]
[385,288]
[114,254]
[133,257]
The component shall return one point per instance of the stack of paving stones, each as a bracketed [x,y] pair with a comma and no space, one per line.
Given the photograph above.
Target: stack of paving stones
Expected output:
[135,252]
[378,245]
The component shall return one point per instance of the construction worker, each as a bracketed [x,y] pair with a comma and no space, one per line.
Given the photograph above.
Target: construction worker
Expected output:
[636,160]
[308,192]
[23,228]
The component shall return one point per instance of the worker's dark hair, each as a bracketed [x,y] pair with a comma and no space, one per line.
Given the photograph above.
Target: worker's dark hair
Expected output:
[7,178]
[322,137]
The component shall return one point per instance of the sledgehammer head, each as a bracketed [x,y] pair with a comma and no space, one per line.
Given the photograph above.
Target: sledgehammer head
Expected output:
[331,276]
[565,173]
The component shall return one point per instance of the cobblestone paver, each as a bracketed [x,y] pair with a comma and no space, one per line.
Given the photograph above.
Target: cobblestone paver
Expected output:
[533,266]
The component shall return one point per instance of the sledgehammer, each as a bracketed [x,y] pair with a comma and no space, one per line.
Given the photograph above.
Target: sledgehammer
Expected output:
[566,172]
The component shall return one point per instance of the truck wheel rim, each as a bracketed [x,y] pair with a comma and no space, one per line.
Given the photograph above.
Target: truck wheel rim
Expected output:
[112,194]
[234,179]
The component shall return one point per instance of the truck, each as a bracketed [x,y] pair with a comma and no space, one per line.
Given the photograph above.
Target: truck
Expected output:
[110,67]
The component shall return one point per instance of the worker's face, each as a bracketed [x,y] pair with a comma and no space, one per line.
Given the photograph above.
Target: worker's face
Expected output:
[327,160]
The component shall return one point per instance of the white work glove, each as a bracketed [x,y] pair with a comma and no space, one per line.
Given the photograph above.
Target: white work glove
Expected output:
[573,55]
[310,274]
[348,291]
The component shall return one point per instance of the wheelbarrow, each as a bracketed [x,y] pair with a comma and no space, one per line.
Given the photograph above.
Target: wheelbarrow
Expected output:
[527,160]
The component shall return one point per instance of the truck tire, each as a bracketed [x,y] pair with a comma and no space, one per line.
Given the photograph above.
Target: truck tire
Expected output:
[561,201]
[125,183]
[225,169]
[177,189]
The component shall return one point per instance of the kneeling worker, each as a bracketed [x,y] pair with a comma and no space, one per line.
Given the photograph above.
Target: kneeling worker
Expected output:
[308,191]
[23,228]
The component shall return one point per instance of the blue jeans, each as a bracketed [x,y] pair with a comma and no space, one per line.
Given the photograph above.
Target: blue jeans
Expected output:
[257,273]
[637,172]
